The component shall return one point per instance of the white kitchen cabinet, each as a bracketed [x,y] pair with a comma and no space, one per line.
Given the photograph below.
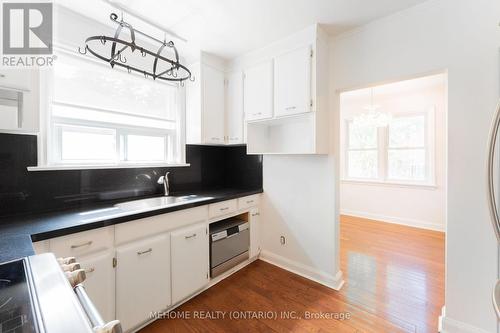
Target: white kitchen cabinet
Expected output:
[254,232]
[213,108]
[190,260]
[205,106]
[234,108]
[258,91]
[292,82]
[100,282]
[142,279]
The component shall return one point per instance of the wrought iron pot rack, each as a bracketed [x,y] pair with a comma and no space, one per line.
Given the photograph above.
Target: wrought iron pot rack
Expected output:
[176,71]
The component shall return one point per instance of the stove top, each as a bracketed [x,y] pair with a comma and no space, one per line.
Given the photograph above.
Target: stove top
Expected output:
[16,303]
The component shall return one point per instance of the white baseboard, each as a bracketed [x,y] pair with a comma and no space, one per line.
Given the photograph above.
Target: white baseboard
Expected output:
[450,325]
[335,282]
[396,220]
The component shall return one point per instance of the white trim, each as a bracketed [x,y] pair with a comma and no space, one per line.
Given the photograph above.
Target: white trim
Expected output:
[331,281]
[450,325]
[106,166]
[389,184]
[441,318]
[429,225]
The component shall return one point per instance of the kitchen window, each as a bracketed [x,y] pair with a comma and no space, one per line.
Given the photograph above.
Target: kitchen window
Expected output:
[102,116]
[401,152]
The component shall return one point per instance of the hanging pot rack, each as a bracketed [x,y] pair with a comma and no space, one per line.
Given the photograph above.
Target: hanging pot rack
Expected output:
[176,72]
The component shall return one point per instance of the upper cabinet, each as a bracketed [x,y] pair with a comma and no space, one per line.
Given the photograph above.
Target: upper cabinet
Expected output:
[234,108]
[292,77]
[258,91]
[205,97]
[214,104]
[286,95]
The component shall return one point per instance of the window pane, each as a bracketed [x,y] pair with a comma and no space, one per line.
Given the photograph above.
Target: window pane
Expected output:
[407,164]
[362,136]
[100,86]
[407,132]
[363,164]
[87,144]
[145,148]
[110,118]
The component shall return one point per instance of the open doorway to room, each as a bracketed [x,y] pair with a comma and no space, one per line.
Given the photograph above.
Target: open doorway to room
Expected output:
[393,199]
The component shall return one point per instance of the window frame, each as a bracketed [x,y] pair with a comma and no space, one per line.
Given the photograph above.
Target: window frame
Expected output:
[383,153]
[49,148]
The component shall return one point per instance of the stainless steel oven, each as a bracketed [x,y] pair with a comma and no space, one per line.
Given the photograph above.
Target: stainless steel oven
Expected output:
[229,244]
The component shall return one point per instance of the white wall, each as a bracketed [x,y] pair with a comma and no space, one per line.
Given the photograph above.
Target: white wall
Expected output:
[416,206]
[299,200]
[462,37]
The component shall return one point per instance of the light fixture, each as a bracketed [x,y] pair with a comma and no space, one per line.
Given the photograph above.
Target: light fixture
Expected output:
[162,67]
[372,115]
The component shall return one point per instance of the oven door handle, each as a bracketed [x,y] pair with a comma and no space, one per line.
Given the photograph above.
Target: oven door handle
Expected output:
[98,324]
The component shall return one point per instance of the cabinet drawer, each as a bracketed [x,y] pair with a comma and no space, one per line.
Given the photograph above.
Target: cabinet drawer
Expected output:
[82,243]
[150,226]
[222,208]
[250,201]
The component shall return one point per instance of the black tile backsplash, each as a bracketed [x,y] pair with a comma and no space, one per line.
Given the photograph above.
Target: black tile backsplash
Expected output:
[23,192]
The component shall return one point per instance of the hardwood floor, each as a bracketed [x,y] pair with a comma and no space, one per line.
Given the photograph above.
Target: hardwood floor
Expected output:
[394,283]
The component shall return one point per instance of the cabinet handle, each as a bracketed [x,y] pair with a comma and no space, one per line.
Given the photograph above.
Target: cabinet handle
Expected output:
[223,209]
[291,108]
[81,245]
[191,236]
[255,214]
[90,270]
[216,139]
[249,201]
[140,253]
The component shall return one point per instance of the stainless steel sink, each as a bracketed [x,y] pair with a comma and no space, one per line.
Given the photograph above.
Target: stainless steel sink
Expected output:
[159,202]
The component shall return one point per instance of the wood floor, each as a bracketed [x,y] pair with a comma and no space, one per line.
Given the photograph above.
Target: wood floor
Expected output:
[394,283]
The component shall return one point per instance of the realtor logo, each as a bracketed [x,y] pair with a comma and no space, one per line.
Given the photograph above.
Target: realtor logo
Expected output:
[27,28]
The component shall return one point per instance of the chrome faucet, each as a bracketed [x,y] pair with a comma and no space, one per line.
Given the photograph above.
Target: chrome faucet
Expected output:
[166,185]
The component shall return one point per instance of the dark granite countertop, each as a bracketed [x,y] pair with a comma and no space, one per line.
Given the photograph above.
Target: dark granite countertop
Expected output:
[18,233]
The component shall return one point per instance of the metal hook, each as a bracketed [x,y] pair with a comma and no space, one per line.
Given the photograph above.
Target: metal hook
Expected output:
[84,50]
[145,74]
[191,78]
[182,83]
[143,53]
[174,74]
[122,58]
[129,70]
[103,40]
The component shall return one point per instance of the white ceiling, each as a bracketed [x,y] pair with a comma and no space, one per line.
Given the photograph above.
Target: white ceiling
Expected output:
[230,28]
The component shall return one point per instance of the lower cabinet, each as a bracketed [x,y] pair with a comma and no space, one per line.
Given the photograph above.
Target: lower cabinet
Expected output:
[190,260]
[142,279]
[100,282]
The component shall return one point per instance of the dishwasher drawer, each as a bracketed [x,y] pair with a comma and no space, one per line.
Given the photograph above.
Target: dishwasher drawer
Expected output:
[230,250]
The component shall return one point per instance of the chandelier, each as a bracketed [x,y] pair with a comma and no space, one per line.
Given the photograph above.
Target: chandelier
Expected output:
[372,115]
[161,67]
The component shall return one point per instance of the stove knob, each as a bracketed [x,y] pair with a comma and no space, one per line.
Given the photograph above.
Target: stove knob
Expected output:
[70,267]
[66,261]
[111,327]
[76,277]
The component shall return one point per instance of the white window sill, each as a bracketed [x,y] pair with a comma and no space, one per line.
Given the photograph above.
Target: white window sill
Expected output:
[429,186]
[106,166]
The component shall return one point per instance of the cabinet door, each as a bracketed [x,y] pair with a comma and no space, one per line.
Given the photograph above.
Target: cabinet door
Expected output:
[258,91]
[292,85]
[254,232]
[100,282]
[189,261]
[234,108]
[142,280]
[213,105]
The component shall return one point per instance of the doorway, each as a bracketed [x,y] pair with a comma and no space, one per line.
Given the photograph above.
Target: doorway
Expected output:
[393,142]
